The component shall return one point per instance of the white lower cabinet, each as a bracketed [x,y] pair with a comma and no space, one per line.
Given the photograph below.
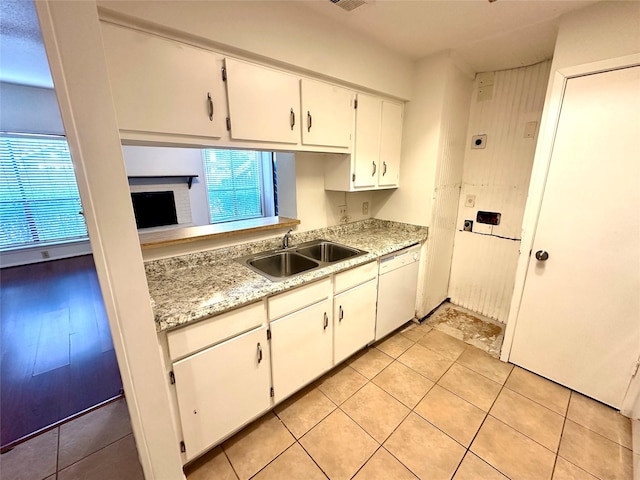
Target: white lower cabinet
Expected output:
[221,388]
[301,348]
[354,317]
[232,367]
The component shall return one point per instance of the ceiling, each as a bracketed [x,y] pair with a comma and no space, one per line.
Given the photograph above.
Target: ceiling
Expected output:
[486,35]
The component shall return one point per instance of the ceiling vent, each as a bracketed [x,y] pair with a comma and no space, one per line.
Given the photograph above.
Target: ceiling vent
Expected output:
[349,5]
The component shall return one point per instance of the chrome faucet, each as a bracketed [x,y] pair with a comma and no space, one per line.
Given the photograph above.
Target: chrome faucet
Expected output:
[286,238]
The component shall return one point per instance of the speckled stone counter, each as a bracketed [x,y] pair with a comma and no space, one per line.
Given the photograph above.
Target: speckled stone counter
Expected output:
[193,287]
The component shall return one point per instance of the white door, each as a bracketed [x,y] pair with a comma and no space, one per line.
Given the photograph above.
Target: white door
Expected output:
[221,388]
[264,104]
[579,319]
[327,112]
[301,348]
[354,317]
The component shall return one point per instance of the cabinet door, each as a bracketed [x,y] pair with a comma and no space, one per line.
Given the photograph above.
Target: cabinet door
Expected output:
[221,388]
[390,144]
[301,348]
[163,86]
[366,150]
[327,112]
[264,104]
[354,319]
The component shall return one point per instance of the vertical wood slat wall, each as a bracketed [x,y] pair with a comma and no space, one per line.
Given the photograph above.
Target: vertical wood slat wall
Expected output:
[484,261]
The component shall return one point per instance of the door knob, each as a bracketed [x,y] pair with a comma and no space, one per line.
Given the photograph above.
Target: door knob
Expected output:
[542,255]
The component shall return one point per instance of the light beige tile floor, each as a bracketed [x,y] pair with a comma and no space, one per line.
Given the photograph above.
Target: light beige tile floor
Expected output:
[95,446]
[418,405]
[427,406]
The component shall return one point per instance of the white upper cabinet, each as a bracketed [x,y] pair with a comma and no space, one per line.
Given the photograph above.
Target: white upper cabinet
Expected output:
[366,149]
[163,86]
[327,112]
[264,104]
[375,159]
[390,144]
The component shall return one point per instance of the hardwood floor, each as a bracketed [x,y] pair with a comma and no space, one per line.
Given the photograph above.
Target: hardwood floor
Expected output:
[57,353]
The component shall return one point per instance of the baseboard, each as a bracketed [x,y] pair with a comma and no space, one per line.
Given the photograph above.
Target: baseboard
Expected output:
[36,254]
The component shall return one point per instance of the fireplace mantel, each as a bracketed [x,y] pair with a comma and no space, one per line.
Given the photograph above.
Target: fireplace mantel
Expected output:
[188,177]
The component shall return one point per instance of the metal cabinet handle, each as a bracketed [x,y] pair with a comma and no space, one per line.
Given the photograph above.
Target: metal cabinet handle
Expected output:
[542,255]
[210,106]
[309,121]
[374,169]
[326,321]
[341,315]
[384,168]
[292,118]
[259,353]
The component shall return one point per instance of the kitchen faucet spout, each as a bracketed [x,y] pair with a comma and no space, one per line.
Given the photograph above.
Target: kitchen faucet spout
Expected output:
[286,239]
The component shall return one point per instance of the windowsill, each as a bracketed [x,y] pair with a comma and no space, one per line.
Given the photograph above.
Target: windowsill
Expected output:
[177,236]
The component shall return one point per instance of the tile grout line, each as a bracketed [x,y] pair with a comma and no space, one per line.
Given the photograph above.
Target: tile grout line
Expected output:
[58,453]
[99,450]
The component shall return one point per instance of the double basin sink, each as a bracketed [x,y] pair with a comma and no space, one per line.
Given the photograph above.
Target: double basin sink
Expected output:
[281,264]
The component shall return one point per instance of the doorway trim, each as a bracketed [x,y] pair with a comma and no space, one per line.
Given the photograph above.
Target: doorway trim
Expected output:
[81,82]
[540,170]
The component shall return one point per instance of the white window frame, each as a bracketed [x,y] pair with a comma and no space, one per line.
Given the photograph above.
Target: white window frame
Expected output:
[267,191]
[62,240]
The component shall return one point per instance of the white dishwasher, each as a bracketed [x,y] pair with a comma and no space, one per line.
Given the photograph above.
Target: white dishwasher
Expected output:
[397,289]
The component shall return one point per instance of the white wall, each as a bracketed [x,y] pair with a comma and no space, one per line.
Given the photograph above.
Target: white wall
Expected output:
[434,127]
[412,201]
[442,229]
[26,109]
[587,39]
[484,260]
[599,32]
[283,32]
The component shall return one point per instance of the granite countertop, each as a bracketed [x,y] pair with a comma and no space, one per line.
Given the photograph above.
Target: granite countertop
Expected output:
[193,287]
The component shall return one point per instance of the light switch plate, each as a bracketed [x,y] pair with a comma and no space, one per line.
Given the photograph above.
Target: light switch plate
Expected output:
[470,201]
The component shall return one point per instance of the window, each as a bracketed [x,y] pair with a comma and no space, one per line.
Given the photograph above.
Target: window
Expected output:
[39,199]
[240,184]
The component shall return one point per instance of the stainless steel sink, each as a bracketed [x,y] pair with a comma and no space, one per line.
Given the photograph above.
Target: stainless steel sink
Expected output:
[279,265]
[282,264]
[327,252]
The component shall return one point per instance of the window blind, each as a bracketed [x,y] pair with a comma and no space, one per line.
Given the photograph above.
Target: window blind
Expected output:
[39,199]
[235,184]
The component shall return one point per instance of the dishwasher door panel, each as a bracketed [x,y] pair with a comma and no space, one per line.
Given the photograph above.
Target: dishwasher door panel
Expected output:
[397,291]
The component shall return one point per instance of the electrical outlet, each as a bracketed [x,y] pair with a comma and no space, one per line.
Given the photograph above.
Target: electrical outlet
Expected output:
[342,210]
[365,208]
[45,254]
[470,201]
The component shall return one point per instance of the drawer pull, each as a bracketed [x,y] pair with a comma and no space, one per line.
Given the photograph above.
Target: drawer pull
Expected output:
[341,316]
[259,353]
[326,321]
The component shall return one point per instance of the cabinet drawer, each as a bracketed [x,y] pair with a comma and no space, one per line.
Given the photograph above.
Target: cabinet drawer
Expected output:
[287,302]
[345,280]
[213,330]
